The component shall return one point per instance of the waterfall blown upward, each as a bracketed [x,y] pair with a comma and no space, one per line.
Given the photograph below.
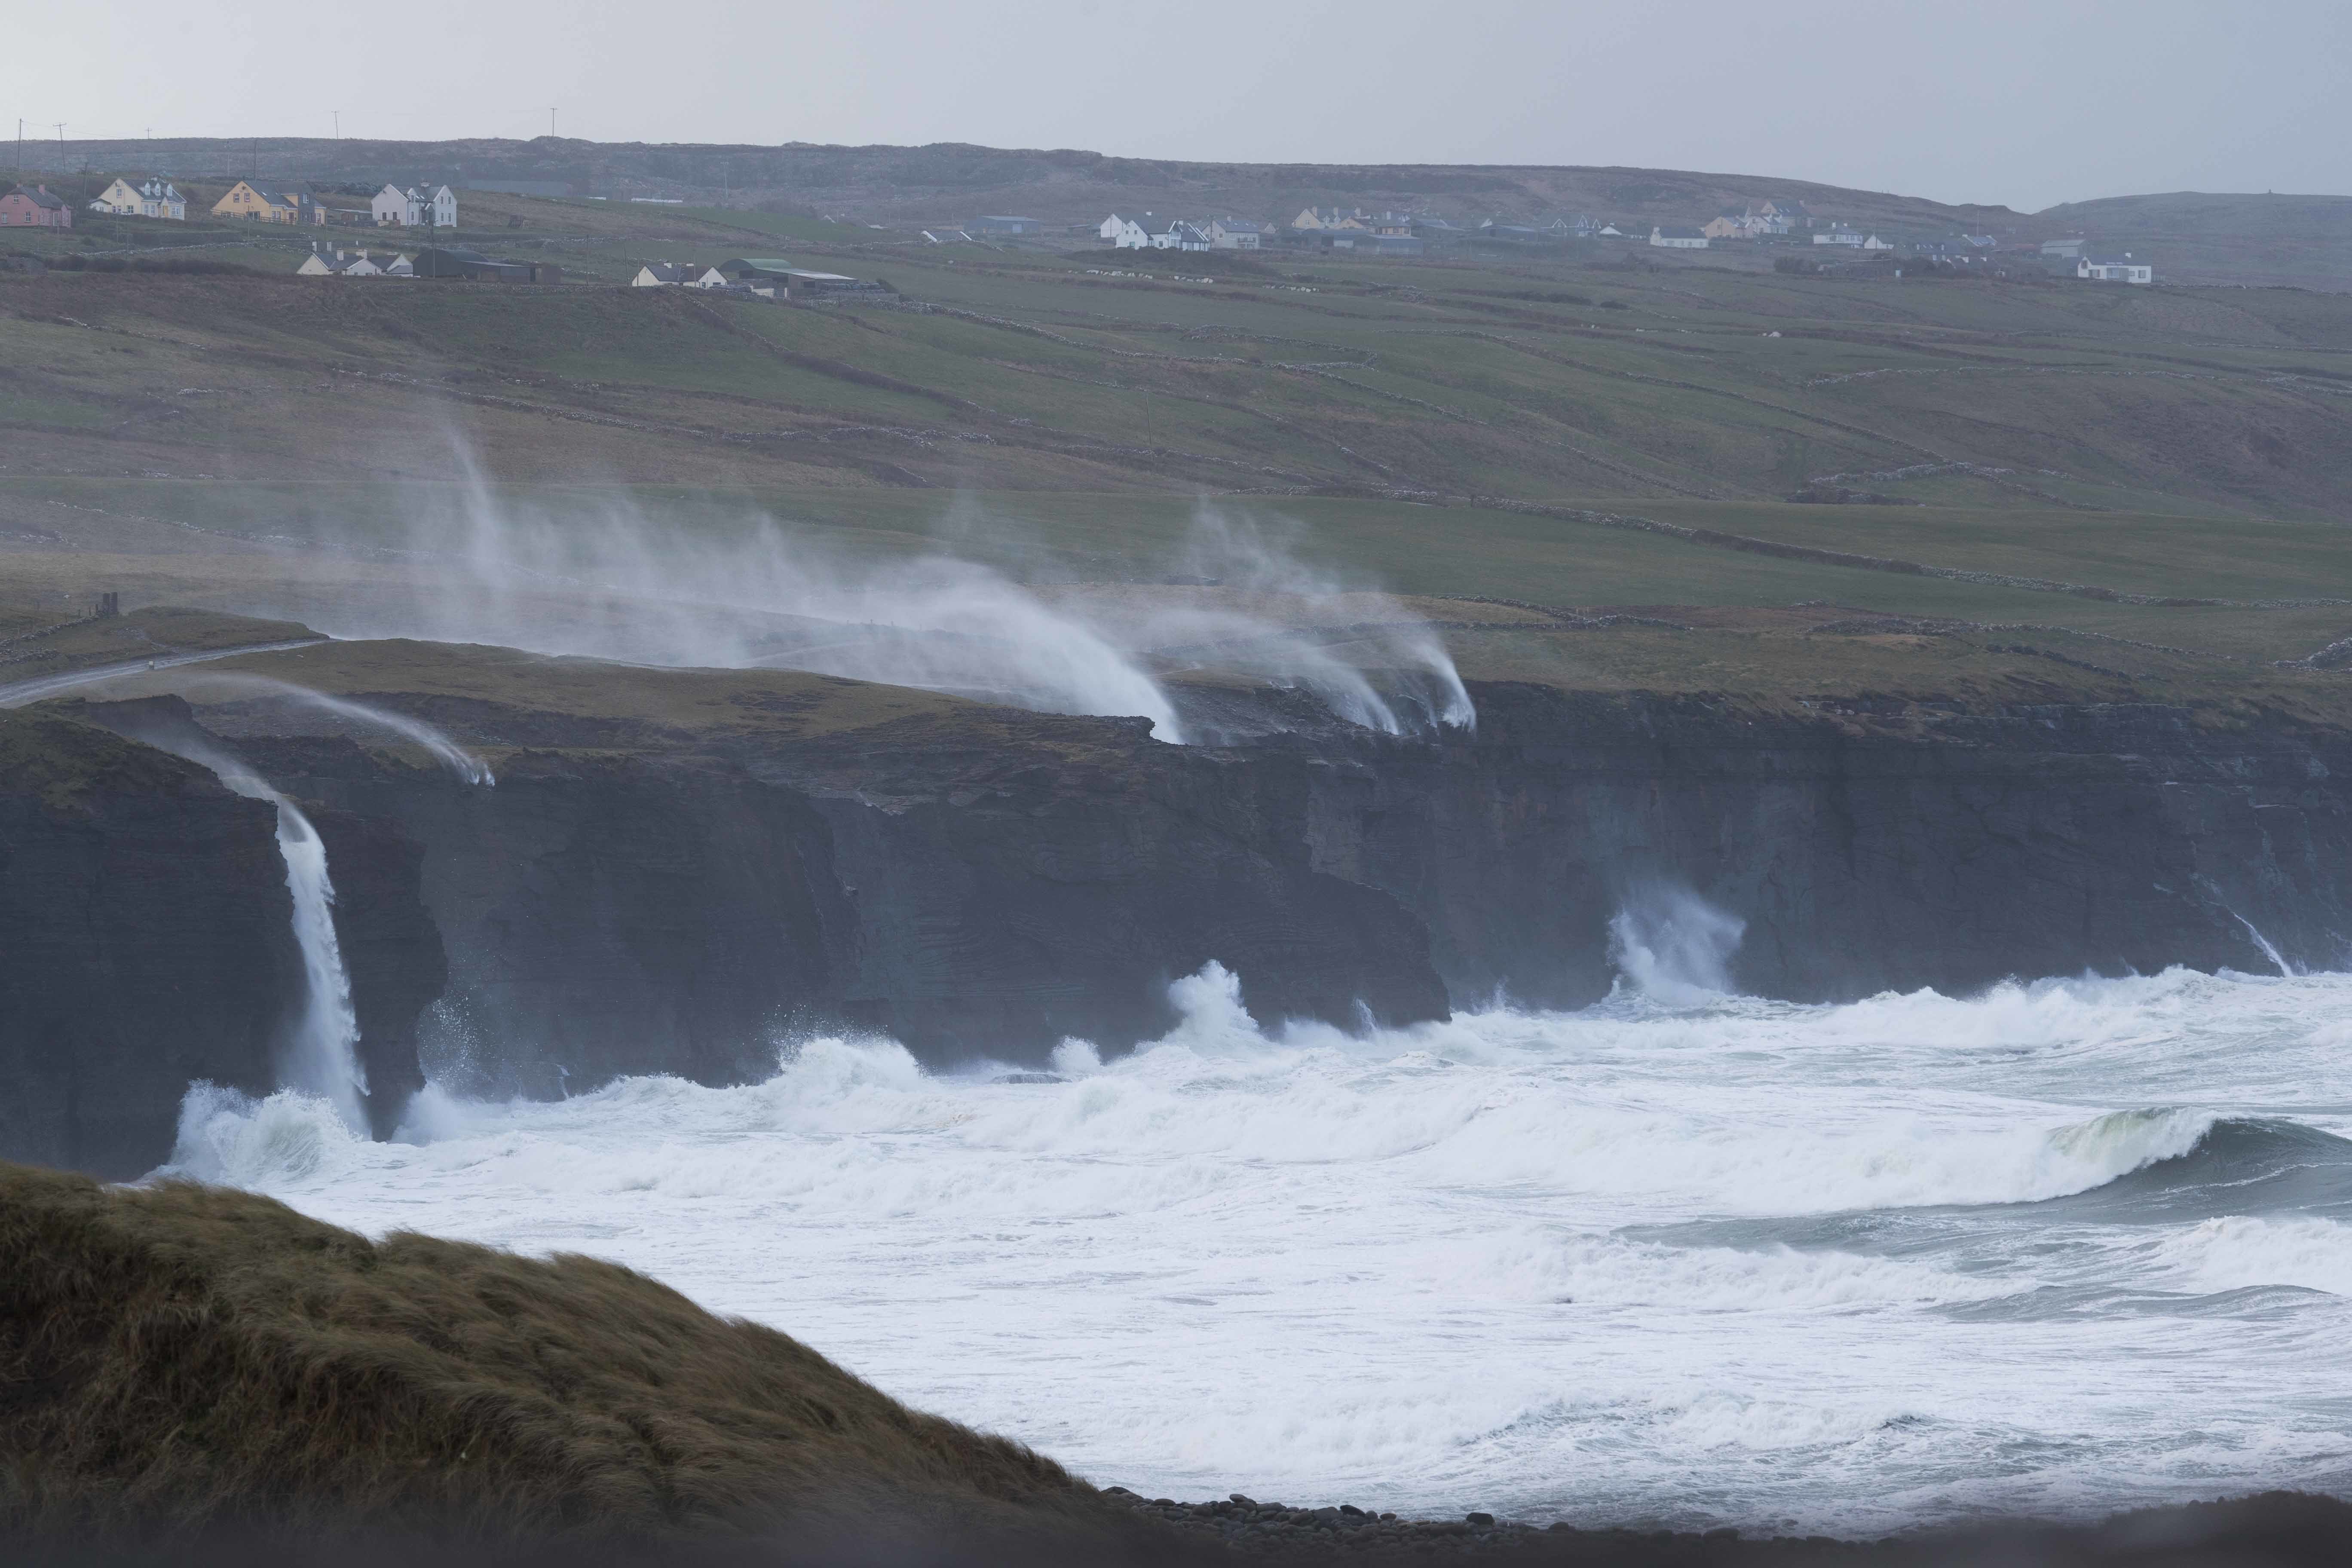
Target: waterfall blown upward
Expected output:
[443,750]
[592,574]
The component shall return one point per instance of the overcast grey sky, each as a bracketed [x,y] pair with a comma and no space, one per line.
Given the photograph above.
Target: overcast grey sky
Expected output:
[2026,103]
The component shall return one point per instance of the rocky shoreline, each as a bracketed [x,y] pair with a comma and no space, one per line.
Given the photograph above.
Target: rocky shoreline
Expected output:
[2274,1529]
[1246,1524]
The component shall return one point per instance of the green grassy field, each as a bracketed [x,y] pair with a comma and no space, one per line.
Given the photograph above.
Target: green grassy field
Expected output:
[1066,417]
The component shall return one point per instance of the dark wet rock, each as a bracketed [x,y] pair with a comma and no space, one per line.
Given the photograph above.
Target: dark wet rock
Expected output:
[634,900]
[2274,1531]
[146,940]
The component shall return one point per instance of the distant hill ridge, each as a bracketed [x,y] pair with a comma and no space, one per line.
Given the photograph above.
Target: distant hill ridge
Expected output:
[1061,184]
[2195,237]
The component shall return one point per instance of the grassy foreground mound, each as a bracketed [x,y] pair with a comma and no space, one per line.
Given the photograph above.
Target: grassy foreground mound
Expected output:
[184,1362]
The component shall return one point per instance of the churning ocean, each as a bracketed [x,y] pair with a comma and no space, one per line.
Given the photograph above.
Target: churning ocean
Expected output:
[2061,1248]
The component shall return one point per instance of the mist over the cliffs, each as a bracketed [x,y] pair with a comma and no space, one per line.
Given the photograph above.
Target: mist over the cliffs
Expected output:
[599,574]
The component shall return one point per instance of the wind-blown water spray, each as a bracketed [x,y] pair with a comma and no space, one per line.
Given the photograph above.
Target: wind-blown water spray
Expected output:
[445,750]
[1674,947]
[2269,949]
[602,578]
[760,596]
[1260,570]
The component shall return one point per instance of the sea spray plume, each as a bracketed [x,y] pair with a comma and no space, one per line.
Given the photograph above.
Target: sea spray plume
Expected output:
[1674,947]
[445,750]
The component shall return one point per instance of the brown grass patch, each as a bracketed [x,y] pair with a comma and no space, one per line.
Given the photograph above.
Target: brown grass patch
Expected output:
[179,1359]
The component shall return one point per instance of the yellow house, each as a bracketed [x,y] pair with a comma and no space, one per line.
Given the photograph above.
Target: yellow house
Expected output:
[1311,218]
[263,204]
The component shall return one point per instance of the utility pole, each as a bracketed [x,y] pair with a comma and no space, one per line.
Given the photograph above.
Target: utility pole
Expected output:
[551,120]
[339,123]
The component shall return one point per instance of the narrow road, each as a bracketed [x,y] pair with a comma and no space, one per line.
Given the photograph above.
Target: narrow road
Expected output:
[33,690]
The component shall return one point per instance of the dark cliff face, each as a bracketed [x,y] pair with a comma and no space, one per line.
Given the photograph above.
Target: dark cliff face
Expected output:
[145,941]
[1951,851]
[606,913]
[631,902]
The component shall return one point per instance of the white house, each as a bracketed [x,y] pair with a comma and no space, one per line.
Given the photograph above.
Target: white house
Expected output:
[708,278]
[1677,239]
[400,267]
[2115,268]
[658,274]
[414,206]
[1125,233]
[155,198]
[321,263]
[1875,243]
[1235,233]
[1178,235]
[1838,234]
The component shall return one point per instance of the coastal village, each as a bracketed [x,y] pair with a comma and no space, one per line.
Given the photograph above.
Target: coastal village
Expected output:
[1787,236]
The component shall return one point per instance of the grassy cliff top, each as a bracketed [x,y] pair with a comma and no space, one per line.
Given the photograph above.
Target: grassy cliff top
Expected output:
[69,766]
[1818,658]
[503,696]
[184,1356]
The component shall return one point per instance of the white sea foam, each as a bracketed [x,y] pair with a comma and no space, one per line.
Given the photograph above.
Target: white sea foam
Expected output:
[1743,1262]
[2241,1252]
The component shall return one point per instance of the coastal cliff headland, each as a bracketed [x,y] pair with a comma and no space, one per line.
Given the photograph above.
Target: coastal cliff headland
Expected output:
[679,871]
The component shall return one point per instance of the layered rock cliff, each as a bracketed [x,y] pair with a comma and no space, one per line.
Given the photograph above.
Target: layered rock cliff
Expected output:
[638,894]
[1866,848]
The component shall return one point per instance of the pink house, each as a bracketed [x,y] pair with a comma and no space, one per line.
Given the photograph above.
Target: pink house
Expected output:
[33,206]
